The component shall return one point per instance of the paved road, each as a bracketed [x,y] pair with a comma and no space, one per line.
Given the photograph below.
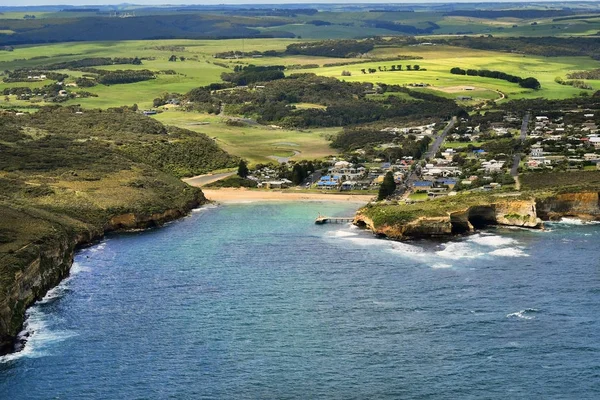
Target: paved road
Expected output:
[202,180]
[517,157]
[437,143]
[312,178]
[404,190]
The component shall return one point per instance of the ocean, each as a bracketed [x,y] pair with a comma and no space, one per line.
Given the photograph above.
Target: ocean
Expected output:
[254,301]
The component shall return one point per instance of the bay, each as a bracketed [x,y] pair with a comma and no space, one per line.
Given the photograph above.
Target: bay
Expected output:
[255,301]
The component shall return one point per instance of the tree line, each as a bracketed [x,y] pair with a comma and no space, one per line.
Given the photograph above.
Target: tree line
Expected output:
[529,83]
[331,48]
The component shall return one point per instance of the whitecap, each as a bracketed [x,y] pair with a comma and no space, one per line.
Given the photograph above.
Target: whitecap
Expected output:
[492,240]
[523,314]
[441,266]
[509,252]
[458,250]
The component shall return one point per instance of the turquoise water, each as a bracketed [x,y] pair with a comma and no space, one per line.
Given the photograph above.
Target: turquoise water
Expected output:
[255,301]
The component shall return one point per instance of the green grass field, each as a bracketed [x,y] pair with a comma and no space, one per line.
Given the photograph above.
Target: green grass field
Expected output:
[438,60]
[255,143]
[200,68]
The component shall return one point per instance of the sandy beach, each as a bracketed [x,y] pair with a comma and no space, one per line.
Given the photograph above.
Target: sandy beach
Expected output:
[244,195]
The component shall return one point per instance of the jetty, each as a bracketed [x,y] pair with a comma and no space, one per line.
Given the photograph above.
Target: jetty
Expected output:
[321,219]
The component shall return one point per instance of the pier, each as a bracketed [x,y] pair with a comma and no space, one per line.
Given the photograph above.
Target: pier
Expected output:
[321,219]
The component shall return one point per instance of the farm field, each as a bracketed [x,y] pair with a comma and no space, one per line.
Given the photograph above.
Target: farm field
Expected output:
[257,144]
[438,60]
[201,68]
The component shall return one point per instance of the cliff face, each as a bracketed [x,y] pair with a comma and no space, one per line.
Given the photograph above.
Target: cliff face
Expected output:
[48,261]
[520,213]
[585,205]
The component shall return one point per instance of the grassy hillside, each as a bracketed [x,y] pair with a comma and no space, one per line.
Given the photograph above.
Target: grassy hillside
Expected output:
[67,176]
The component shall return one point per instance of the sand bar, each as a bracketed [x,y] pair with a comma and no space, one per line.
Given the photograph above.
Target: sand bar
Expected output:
[228,195]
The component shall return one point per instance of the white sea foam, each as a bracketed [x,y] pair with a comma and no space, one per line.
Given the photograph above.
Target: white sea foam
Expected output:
[457,250]
[406,248]
[441,266]
[38,335]
[492,240]
[509,252]
[343,234]
[523,314]
[77,268]
[575,221]
[204,208]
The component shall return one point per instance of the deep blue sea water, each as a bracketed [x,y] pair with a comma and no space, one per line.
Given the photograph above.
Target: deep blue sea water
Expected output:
[255,301]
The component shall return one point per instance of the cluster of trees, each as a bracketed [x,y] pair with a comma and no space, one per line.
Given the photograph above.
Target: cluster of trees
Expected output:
[576,83]
[22,75]
[123,76]
[247,54]
[174,58]
[183,155]
[85,82]
[397,67]
[244,75]
[529,83]
[388,186]
[92,62]
[408,29]
[354,138]
[593,74]
[345,103]
[331,48]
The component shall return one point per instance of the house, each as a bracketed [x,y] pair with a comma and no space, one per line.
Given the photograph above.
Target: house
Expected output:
[328,182]
[492,166]
[422,185]
[464,98]
[450,183]
[537,150]
[282,184]
[347,185]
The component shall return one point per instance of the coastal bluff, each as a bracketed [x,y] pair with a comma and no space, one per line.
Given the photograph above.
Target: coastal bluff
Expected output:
[464,215]
[44,262]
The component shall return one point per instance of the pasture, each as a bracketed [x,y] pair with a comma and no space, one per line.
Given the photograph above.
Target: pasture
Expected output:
[255,143]
[201,68]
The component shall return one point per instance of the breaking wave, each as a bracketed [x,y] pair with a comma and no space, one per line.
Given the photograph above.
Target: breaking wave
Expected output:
[524,314]
[457,250]
[509,252]
[492,240]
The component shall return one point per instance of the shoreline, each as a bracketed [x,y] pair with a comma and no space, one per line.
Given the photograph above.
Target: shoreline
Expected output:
[242,195]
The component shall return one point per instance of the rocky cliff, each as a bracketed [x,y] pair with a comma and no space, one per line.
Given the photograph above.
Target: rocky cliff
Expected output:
[527,213]
[42,264]
[584,205]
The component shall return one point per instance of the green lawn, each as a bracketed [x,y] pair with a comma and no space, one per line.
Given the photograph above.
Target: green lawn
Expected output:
[255,143]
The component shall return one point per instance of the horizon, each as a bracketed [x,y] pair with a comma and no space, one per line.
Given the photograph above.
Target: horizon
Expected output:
[51,3]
